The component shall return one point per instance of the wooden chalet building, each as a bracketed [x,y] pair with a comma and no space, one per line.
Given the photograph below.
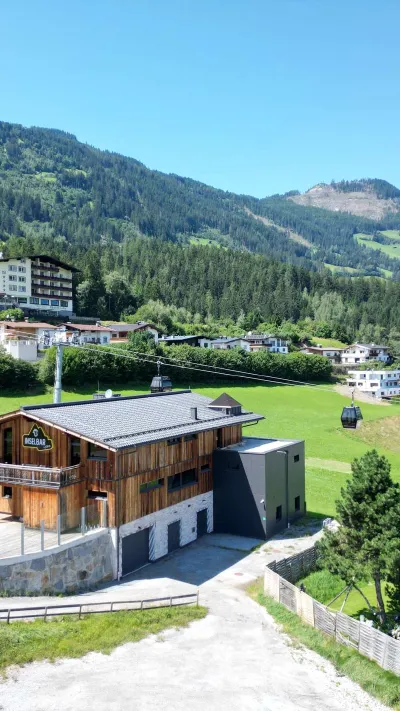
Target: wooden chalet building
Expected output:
[150,457]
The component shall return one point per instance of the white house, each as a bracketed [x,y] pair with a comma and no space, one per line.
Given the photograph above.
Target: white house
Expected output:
[333,354]
[39,282]
[81,333]
[120,331]
[227,343]
[377,383]
[267,342]
[21,349]
[363,352]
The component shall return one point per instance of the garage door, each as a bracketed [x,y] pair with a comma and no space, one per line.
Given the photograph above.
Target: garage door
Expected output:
[174,536]
[135,551]
[201,523]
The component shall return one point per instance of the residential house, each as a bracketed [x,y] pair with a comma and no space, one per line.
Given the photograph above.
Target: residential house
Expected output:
[120,331]
[39,283]
[333,354]
[22,339]
[227,343]
[81,333]
[376,383]
[263,342]
[165,466]
[196,341]
[363,352]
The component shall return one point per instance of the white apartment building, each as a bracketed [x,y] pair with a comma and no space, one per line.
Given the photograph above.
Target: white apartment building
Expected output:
[267,342]
[39,282]
[377,383]
[363,352]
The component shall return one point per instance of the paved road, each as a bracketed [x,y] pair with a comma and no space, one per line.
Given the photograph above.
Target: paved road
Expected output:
[233,659]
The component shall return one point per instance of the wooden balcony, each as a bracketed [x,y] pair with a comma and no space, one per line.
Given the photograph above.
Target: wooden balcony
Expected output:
[47,477]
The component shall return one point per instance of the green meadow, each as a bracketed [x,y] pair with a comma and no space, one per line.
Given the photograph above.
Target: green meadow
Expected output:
[309,413]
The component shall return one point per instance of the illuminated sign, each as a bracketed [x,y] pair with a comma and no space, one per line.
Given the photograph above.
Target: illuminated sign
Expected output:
[37,439]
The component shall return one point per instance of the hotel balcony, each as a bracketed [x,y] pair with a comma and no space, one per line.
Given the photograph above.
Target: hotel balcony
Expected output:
[46,477]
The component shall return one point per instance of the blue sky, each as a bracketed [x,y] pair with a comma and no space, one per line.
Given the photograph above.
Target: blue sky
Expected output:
[253,96]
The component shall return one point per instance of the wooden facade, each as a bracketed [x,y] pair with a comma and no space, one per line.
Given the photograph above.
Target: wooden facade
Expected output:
[44,484]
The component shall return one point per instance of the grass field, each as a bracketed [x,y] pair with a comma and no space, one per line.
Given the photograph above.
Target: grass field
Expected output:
[381,684]
[324,586]
[368,241]
[334,268]
[311,414]
[24,642]
[328,342]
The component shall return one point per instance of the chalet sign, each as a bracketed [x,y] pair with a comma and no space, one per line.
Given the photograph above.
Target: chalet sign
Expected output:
[37,439]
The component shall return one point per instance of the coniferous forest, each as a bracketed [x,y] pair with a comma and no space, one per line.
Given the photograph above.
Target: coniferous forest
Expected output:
[139,235]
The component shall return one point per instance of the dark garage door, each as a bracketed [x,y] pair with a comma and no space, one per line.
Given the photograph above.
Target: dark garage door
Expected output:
[174,536]
[201,523]
[135,551]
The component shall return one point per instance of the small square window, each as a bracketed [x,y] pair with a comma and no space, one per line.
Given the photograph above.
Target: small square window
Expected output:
[297,503]
[296,458]
[7,492]
[279,513]
[189,437]
[173,440]
[97,494]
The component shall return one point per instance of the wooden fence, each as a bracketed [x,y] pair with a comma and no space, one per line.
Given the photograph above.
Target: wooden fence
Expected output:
[10,614]
[279,580]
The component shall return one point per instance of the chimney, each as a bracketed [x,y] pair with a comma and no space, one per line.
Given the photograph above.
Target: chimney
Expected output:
[193,413]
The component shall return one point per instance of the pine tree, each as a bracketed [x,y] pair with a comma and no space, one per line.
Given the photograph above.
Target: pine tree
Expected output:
[367,543]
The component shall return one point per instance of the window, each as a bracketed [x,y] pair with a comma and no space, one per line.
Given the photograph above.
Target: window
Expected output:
[104,339]
[8,445]
[44,302]
[173,440]
[12,268]
[178,481]
[74,451]
[96,452]
[21,300]
[278,513]
[13,287]
[205,467]
[12,278]
[190,437]
[54,302]
[96,494]
[64,303]
[22,270]
[7,492]
[22,288]
[33,300]
[297,503]
[22,279]
[150,485]
[296,458]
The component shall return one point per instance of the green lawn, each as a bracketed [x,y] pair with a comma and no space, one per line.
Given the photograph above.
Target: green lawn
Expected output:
[381,684]
[368,241]
[290,412]
[335,268]
[391,234]
[328,342]
[324,586]
[24,642]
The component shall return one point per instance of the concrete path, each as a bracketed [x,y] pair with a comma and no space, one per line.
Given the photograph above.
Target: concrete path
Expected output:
[234,659]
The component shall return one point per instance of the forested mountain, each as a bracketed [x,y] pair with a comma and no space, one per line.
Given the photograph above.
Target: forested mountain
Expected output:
[371,198]
[60,196]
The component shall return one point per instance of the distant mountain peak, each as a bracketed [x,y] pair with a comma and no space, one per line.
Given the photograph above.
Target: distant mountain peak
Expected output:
[367,197]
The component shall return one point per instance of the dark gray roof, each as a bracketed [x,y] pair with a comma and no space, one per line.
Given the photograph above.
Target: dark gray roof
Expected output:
[224,400]
[130,421]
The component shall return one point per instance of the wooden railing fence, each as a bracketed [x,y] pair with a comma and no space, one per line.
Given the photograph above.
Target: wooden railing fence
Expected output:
[279,580]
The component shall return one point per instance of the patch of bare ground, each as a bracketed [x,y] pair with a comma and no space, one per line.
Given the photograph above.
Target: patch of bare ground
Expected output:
[361,397]
[294,236]
[365,204]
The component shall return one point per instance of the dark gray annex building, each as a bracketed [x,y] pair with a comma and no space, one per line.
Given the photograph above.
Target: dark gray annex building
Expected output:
[259,486]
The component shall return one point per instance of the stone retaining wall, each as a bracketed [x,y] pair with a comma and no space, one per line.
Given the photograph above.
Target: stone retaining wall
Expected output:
[78,565]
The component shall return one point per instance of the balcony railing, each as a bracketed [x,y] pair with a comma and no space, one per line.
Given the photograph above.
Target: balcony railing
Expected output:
[48,477]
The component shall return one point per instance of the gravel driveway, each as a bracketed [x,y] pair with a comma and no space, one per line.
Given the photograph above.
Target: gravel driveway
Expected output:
[234,659]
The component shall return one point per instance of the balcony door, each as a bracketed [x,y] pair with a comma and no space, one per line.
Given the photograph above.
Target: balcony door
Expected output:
[8,445]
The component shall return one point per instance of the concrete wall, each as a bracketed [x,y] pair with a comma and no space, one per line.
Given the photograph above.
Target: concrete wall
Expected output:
[21,350]
[185,511]
[78,565]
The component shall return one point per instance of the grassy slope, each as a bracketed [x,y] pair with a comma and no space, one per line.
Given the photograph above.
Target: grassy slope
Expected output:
[381,684]
[368,241]
[23,642]
[324,586]
[328,342]
[291,412]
